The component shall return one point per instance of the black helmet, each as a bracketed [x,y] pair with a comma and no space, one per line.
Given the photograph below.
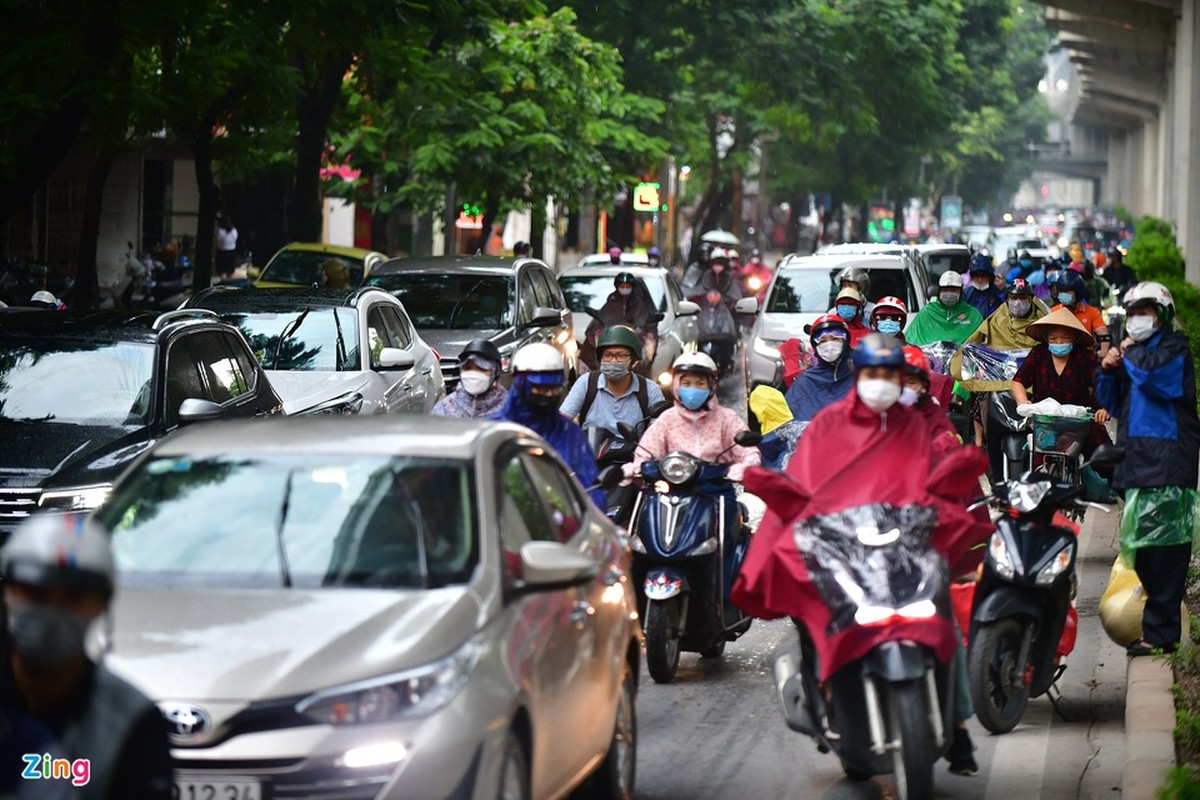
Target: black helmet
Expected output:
[522,249]
[624,277]
[485,348]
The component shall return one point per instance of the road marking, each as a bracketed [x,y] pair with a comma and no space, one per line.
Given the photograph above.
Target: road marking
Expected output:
[1027,746]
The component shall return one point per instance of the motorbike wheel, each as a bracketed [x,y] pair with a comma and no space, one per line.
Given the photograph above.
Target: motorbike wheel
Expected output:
[716,651]
[913,759]
[614,778]
[998,688]
[662,640]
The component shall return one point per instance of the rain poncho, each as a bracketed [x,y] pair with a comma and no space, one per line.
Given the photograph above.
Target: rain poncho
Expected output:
[780,431]
[936,323]
[561,433]
[1159,517]
[461,405]
[1001,331]
[985,301]
[849,457]
[820,385]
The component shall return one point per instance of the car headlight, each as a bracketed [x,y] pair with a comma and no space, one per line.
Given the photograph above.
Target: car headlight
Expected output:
[767,347]
[1006,562]
[1059,564]
[678,468]
[76,498]
[350,403]
[1025,497]
[415,693]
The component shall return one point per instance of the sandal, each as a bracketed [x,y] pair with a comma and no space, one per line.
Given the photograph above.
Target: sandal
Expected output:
[1139,647]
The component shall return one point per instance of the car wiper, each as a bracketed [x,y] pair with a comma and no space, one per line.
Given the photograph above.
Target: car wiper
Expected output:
[458,306]
[29,420]
[288,331]
[341,341]
[285,572]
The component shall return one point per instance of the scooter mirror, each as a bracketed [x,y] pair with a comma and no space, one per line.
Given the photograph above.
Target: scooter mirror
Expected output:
[627,431]
[610,477]
[748,438]
[657,409]
[1107,455]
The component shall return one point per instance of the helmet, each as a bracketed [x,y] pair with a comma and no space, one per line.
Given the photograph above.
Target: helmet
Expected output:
[1025,254]
[1151,292]
[734,255]
[542,358]
[718,253]
[1071,281]
[853,295]
[824,324]
[44,299]
[878,350]
[695,362]
[620,336]
[982,262]
[915,361]
[1011,255]
[654,252]
[522,249]
[859,277]
[950,279]
[1018,287]
[755,252]
[894,303]
[623,277]
[68,550]
[1077,267]
[484,348]
[614,255]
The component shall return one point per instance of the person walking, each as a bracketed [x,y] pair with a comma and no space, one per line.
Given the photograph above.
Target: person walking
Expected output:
[227,241]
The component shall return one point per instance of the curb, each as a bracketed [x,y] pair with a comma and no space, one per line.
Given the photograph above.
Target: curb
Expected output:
[1149,727]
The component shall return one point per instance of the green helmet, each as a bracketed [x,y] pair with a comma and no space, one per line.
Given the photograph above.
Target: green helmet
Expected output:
[620,336]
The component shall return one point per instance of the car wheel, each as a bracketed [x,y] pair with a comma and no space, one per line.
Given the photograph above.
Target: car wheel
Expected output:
[614,778]
[514,775]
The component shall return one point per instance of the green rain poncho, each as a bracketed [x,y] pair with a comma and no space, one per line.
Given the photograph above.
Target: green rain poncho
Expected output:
[936,323]
[1160,516]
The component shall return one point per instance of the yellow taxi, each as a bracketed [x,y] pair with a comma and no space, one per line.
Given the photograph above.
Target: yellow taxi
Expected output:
[304,264]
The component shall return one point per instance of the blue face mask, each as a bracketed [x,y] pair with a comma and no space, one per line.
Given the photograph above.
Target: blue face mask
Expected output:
[889,326]
[1026,263]
[1066,298]
[692,398]
[1061,349]
[847,312]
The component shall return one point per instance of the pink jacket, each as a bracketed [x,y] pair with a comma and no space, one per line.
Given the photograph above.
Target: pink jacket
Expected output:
[703,434]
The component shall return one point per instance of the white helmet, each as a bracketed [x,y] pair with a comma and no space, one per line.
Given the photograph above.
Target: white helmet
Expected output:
[69,550]
[733,253]
[1151,293]
[951,279]
[695,362]
[44,297]
[538,357]
[718,252]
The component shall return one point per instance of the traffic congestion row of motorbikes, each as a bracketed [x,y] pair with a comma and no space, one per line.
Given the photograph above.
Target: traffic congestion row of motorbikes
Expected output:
[888,708]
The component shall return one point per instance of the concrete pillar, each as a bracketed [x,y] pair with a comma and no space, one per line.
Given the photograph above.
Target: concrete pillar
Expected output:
[1186,161]
[1148,184]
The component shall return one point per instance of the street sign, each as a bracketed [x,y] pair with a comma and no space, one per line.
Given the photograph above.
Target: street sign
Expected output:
[645,197]
[951,216]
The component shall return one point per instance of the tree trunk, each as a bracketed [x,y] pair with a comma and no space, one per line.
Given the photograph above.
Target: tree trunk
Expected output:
[316,107]
[86,291]
[537,227]
[202,152]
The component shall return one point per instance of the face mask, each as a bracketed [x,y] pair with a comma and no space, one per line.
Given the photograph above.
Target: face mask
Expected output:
[44,636]
[545,402]
[614,371]
[847,312]
[1020,308]
[625,291]
[981,285]
[830,352]
[692,398]
[1140,328]
[1061,349]
[878,394]
[889,327]
[949,299]
[718,268]
[908,396]
[475,383]
[1026,263]
[1066,298]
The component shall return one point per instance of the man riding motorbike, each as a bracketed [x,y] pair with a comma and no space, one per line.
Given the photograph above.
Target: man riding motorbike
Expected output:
[949,319]
[983,293]
[614,394]
[629,304]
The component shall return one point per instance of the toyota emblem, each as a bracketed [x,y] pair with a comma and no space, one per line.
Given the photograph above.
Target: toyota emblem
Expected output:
[187,721]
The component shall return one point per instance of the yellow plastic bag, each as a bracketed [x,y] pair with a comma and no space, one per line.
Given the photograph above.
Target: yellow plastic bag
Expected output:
[1122,604]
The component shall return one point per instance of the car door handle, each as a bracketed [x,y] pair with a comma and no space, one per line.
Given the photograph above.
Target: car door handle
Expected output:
[580,612]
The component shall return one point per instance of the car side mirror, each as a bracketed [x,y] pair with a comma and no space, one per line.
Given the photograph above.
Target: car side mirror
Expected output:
[747,305]
[253,273]
[553,566]
[196,409]
[687,309]
[657,317]
[395,358]
[748,438]
[544,317]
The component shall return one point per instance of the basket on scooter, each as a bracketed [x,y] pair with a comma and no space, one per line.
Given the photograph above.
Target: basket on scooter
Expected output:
[1060,435]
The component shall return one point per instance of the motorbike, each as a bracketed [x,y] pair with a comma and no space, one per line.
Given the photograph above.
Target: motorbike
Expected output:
[688,536]
[1005,431]
[1023,596]
[616,450]
[20,279]
[884,595]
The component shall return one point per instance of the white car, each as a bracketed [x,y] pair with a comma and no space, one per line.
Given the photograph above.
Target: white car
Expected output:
[334,351]
[602,260]
[804,288]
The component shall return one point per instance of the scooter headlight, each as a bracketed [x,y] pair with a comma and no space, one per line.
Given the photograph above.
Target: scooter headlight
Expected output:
[705,547]
[1058,565]
[678,468]
[635,544]
[1003,558]
[1025,497]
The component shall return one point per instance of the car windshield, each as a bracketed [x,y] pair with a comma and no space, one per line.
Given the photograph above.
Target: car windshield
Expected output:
[81,383]
[813,291]
[591,291]
[300,520]
[453,300]
[938,263]
[306,268]
[313,339]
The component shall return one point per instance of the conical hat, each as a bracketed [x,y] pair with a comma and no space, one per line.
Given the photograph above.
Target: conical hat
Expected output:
[1062,318]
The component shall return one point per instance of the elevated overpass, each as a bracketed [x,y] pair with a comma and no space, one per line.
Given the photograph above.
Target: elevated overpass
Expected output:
[1132,107]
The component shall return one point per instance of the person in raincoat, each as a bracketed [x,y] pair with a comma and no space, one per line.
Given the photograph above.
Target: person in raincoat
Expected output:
[850,305]
[948,319]
[983,293]
[779,429]
[1148,383]
[865,449]
[831,377]
[479,394]
[538,384]
[916,395]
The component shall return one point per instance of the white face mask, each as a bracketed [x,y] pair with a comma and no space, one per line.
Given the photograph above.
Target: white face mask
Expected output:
[980,284]
[475,383]
[878,394]
[908,396]
[830,352]
[1140,328]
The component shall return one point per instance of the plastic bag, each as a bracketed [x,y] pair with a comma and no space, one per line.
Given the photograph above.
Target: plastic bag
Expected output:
[715,322]
[980,363]
[1158,517]
[939,355]
[1122,604]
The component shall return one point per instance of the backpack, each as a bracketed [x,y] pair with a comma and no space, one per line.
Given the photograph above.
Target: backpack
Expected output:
[593,386]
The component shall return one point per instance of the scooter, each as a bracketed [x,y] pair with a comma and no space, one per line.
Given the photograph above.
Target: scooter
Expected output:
[616,450]
[688,536]
[1023,595]
[884,595]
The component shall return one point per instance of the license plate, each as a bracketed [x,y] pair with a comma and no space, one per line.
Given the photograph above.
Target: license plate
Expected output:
[188,787]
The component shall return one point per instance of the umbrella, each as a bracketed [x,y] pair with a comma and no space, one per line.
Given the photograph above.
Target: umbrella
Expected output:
[720,237]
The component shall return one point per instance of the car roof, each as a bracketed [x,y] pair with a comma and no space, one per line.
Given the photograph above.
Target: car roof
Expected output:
[333,249]
[464,265]
[113,325]
[940,247]
[410,435]
[602,259]
[831,261]
[282,298]
[606,270]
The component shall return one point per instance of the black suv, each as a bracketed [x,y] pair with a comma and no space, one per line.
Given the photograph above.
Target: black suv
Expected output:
[82,394]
